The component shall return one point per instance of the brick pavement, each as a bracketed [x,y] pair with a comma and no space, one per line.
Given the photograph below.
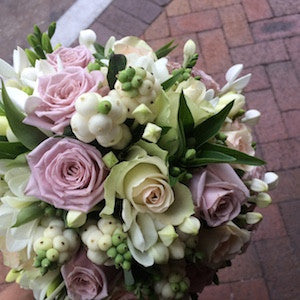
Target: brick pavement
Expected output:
[264,35]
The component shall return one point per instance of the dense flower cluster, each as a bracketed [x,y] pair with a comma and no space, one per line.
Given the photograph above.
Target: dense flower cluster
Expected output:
[122,174]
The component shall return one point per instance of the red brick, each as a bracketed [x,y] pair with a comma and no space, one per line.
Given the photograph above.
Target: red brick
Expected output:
[178,7]
[282,154]
[271,226]
[198,5]
[285,85]
[214,51]
[245,266]
[293,45]
[285,7]
[3,272]
[13,292]
[121,22]
[288,186]
[194,22]
[281,268]
[270,127]
[162,2]
[213,292]
[292,122]
[158,29]
[276,28]
[179,40]
[259,79]
[257,9]
[103,33]
[235,25]
[250,290]
[261,53]
[144,10]
[290,213]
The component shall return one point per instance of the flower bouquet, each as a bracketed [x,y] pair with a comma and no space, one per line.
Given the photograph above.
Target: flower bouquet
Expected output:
[123,175]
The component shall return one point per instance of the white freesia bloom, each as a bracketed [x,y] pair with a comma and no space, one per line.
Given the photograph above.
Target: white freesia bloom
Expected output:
[88,38]
[233,82]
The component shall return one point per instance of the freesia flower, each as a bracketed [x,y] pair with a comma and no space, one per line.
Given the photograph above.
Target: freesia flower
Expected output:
[57,93]
[67,174]
[218,193]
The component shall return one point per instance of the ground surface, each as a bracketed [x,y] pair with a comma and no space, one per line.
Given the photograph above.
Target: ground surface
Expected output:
[262,34]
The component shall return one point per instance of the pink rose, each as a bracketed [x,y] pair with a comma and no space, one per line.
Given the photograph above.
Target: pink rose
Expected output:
[85,280]
[58,92]
[218,193]
[67,174]
[78,56]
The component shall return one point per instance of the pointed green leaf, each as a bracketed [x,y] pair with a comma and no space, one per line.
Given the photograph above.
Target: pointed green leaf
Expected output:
[165,50]
[28,135]
[99,49]
[29,213]
[210,157]
[51,29]
[185,115]
[210,127]
[171,81]
[117,62]
[241,158]
[11,150]
[46,43]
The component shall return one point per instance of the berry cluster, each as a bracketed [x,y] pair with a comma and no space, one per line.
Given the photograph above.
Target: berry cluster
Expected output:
[101,118]
[106,243]
[55,246]
[138,90]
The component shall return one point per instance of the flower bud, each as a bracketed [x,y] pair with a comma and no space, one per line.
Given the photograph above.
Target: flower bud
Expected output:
[190,225]
[160,253]
[251,117]
[75,218]
[262,200]
[253,218]
[152,133]
[87,38]
[168,235]
[258,185]
[271,179]
[177,250]
[110,159]
[189,48]
[12,275]
[142,114]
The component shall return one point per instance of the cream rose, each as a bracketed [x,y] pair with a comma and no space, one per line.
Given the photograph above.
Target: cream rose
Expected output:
[222,243]
[143,181]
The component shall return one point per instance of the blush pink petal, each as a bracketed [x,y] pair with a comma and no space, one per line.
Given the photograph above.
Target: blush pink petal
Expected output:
[67,174]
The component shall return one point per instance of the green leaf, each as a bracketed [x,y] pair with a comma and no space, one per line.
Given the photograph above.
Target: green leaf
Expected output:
[165,130]
[210,157]
[241,158]
[51,29]
[185,115]
[165,50]
[28,214]
[99,49]
[32,56]
[117,62]
[11,150]
[171,81]
[2,111]
[28,135]
[210,127]
[46,44]
[181,140]
[37,32]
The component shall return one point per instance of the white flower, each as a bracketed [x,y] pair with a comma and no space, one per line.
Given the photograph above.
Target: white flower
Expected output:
[251,117]
[234,84]
[88,38]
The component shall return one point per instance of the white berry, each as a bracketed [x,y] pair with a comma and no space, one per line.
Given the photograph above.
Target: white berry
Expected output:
[87,104]
[92,240]
[60,243]
[97,257]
